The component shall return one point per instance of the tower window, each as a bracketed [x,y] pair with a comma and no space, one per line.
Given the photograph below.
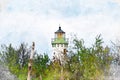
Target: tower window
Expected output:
[61,45]
[53,45]
[66,45]
[57,45]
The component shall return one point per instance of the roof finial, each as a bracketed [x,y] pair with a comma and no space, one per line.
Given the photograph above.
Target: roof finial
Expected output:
[59,27]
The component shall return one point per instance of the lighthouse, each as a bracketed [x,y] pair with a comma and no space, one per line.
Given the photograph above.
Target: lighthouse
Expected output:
[59,45]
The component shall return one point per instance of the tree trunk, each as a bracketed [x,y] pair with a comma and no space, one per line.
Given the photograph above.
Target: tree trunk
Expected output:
[30,62]
[40,77]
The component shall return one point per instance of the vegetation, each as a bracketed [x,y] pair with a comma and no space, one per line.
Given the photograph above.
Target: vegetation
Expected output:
[81,63]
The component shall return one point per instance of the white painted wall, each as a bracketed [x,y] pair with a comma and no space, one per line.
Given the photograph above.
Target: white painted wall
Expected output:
[58,50]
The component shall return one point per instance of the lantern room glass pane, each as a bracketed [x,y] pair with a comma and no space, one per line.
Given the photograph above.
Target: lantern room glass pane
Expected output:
[60,35]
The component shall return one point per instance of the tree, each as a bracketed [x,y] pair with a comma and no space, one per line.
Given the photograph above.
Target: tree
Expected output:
[23,53]
[15,58]
[40,64]
[89,63]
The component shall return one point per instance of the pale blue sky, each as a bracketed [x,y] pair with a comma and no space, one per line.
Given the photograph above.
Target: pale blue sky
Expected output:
[37,20]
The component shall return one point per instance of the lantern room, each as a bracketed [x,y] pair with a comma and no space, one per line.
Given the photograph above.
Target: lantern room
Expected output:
[59,38]
[59,33]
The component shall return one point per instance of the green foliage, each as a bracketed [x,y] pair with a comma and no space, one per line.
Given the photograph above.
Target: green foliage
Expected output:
[10,58]
[83,63]
[16,59]
[90,63]
[40,64]
[56,72]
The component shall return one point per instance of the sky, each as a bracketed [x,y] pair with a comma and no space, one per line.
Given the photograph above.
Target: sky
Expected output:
[37,20]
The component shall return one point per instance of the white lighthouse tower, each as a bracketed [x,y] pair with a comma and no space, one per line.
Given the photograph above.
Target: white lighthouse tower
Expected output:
[59,45]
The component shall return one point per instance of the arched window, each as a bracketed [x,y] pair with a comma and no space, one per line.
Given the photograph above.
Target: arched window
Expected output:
[61,45]
[57,45]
